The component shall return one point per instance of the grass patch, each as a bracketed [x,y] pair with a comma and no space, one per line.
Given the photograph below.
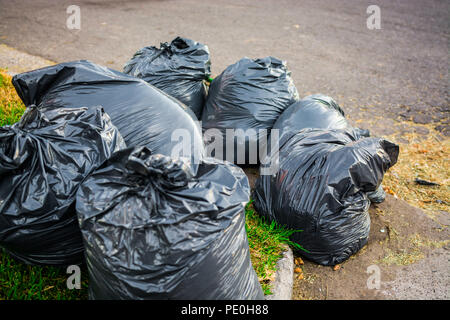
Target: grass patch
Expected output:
[403,257]
[419,241]
[11,107]
[424,158]
[19,281]
[412,251]
[267,241]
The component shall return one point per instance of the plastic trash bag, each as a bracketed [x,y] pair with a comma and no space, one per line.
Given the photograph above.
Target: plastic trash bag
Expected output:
[377,196]
[43,160]
[154,230]
[319,111]
[144,115]
[178,68]
[315,111]
[320,186]
[248,96]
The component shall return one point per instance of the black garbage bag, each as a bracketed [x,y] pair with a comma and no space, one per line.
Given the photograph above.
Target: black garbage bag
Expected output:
[315,111]
[43,160]
[154,230]
[179,69]
[377,196]
[144,115]
[246,99]
[320,186]
[320,112]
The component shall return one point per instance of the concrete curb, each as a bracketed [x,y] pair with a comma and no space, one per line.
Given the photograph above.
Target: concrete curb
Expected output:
[284,278]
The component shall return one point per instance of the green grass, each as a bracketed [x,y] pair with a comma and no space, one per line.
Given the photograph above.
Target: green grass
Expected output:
[11,107]
[267,241]
[19,281]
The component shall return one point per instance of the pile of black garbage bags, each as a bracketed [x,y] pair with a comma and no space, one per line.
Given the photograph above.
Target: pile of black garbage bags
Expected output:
[114,169]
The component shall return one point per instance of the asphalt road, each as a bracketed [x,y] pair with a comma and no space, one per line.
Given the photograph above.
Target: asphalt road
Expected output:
[380,77]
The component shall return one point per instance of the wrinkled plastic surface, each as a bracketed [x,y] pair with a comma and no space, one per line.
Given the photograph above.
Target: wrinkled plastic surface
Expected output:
[248,95]
[178,68]
[319,111]
[154,230]
[43,159]
[377,196]
[315,111]
[144,115]
[321,187]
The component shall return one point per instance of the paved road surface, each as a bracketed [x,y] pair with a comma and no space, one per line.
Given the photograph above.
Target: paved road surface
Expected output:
[381,76]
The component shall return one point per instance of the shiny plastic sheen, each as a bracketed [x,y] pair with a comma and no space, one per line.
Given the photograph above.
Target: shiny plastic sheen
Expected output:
[321,188]
[144,115]
[250,94]
[315,111]
[179,69]
[43,160]
[155,230]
